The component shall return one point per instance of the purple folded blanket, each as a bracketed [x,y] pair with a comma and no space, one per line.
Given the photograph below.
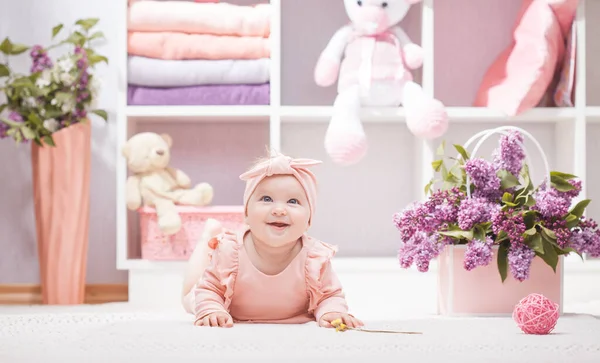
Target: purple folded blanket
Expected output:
[206,95]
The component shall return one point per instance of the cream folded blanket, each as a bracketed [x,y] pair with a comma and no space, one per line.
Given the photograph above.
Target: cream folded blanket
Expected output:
[171,45]
[152,72]
[200,18]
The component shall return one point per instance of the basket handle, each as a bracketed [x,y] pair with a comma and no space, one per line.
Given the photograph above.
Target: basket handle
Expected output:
[504,132]
[484,135]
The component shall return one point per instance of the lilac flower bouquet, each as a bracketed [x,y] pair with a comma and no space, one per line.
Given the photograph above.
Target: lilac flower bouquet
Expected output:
[55,94]
[502,208]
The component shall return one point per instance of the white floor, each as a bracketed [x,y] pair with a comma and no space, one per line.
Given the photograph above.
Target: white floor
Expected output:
[122,332]
[153,328]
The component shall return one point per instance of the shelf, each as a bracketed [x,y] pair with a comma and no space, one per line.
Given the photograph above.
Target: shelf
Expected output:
[456,114]
[593,114]
[194,113]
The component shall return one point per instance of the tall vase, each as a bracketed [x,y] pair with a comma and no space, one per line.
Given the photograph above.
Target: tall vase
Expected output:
[61,190]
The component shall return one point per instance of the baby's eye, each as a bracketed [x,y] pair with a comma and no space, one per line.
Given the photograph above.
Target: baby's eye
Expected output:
[266,198]
[293,201]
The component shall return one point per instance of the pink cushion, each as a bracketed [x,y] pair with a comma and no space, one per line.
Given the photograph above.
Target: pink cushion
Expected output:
[564,10]
[519,77]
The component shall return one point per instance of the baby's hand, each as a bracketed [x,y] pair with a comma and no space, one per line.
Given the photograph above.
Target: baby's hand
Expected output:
[220,319]
[349,320]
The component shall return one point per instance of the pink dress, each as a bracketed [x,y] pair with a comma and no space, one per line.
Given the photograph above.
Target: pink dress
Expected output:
[305,290]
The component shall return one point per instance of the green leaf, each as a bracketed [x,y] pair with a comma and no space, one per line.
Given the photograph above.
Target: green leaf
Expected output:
[507,180]
[572,221]
[440,149]
[4,71]
[568,250]
[531,231]
[101,113]
[579,208]
[427,189]
[503,260]
[561,184]
[458,234]
[501,236]
[479,233]
[551,235]
[87,24]
[35,119]
[461,150]
[11,123]
[436,165]
[535,243]
[6,46]
[56,30]
[76,38]
[530,202]
[529,219]
[550,256]
[562,175]
[49,140]
[27,132]
[507,197]
[17,49]
[96,35]
[62,97]
[96,58]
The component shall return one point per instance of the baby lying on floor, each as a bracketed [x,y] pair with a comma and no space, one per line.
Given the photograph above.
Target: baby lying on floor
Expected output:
[271,271]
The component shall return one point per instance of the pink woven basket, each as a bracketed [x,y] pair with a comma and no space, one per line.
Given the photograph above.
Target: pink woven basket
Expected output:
[157,246]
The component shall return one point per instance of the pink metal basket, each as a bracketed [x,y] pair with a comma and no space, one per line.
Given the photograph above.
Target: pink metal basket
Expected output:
[157,246]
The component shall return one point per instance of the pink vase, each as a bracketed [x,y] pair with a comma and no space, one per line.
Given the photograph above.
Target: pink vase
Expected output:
[61,183]
[481,292]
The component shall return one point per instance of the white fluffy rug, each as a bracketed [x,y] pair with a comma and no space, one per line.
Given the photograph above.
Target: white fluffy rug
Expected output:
[122,333]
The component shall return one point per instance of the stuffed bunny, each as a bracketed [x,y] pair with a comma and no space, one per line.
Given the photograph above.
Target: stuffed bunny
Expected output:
[372,56]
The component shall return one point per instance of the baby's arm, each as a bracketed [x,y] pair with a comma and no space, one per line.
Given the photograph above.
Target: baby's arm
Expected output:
[334,299]
[333,305]
[209,295]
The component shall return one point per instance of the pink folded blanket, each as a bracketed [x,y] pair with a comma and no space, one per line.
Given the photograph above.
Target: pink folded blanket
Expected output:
[180,46]
[200,18]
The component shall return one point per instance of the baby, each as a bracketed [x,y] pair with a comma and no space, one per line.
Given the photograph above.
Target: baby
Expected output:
[271,271]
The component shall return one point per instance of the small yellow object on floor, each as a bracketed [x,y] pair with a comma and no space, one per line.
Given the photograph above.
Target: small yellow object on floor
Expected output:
[340,326]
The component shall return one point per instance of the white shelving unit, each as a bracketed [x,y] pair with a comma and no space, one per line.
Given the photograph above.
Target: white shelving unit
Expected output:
[216,143]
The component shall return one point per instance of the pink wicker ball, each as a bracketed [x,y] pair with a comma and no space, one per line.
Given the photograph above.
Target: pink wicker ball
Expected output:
[536,314]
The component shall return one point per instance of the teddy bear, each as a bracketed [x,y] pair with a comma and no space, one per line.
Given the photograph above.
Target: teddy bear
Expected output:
[371,58]
[154,183]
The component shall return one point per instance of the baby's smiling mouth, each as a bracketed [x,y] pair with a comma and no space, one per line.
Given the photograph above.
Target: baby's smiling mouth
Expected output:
[278,224]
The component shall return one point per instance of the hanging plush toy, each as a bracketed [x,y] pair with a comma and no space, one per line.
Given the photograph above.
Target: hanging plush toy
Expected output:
[372,56]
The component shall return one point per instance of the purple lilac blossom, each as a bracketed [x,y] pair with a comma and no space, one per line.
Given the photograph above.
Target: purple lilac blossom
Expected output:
[40,58]
[512,224]
[483,176]
[520,257]
[586,238]
[420,250]
[478,253]
[510,155]
[474,211]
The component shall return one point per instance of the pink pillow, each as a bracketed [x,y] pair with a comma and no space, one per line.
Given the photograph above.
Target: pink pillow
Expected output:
[519,77]
[564,10]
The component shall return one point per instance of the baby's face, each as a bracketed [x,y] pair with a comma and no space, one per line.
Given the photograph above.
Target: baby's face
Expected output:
[278,210]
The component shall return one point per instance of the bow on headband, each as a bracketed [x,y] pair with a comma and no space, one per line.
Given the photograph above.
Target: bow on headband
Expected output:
[283,165]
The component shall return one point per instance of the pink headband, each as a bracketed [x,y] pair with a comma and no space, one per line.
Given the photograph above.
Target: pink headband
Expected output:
[283,165]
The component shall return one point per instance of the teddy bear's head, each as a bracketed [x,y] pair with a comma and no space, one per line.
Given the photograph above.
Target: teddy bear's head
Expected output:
[147,152]
[376,16]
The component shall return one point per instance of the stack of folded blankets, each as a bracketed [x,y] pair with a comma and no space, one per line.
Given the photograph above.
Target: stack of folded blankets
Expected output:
[201,52]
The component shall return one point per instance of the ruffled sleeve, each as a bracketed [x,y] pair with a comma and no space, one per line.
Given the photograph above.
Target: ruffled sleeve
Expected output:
[325,290]
[214,290]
